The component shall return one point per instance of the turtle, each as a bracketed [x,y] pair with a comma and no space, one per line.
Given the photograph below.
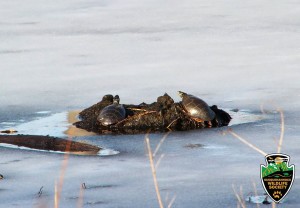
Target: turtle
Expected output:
[196,108]
[112,114]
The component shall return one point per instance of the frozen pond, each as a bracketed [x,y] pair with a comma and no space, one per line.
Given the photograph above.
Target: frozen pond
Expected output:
[60,56]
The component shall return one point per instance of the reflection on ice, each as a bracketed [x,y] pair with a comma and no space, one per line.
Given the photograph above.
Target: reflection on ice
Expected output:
[102,152]
[43,112]
[243,116]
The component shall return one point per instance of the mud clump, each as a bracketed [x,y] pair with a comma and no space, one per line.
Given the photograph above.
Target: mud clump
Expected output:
[160,116]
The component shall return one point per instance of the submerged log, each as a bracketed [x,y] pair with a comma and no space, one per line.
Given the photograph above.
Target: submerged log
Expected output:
[160,116]
[50,144]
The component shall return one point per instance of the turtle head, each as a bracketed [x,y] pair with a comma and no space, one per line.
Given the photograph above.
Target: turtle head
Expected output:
[181,94]
[116,99]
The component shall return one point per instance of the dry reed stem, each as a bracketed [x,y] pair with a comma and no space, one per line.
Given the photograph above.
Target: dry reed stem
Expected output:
[172,201]
[262,106]
[153,172]
[55,196]
[137,109]
[167,197]
[58,188]
[80,199]
[159,160]
[255,192]
[246,142]
[146,113]
[279,110]
[238,197]
[136,115]
[281,130]
[160,143]
[242,195]
[170,124]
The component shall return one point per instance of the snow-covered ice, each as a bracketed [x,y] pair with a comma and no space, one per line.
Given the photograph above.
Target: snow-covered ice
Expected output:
[62,55]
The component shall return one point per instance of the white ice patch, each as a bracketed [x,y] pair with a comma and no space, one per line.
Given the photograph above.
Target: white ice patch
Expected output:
[43,112]
[102,152]
[243,116]
[7,123]
[214,147]
[260,199]
[107,152]
[53,125]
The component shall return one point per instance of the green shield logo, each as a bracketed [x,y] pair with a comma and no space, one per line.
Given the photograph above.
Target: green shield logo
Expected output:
[277,176]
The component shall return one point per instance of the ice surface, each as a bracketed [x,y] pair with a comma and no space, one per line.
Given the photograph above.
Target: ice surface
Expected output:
[53,125]
[62,55]
[70,53]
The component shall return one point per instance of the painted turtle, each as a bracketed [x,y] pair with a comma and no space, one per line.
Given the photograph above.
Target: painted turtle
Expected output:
[113,113]
[196,108]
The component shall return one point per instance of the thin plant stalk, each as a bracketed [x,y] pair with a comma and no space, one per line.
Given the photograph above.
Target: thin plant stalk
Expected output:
[160,143]
[238,197]
[55,196]
[58,188]
[247,143]
[281,130]
[279,145]
[159,160]
[255,192]
[172,201]
[154,173]
[80,199]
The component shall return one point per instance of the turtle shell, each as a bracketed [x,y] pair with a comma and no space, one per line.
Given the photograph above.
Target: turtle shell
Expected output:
[197,108]
[111,114]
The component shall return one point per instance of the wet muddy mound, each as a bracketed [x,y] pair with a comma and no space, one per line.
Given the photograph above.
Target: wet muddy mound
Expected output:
[160,116]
